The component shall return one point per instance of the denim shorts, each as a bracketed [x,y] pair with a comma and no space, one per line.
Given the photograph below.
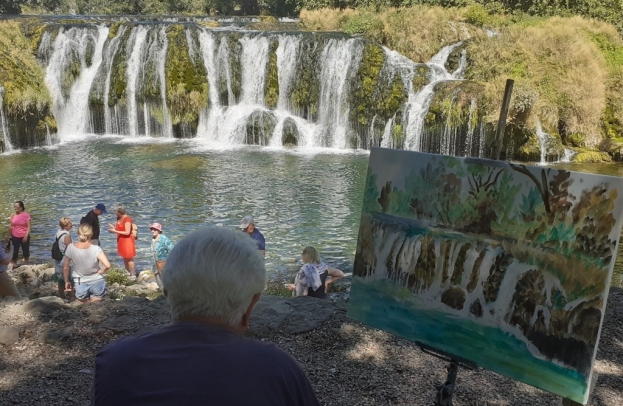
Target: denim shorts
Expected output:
[95,289]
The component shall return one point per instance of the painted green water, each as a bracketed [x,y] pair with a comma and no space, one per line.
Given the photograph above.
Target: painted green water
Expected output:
[297,196]
[383,305]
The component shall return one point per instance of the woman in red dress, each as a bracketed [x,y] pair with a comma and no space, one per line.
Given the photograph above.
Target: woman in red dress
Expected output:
[125,240]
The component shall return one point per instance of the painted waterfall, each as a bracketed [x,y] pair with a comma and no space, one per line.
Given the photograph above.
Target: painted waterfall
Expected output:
[504,265]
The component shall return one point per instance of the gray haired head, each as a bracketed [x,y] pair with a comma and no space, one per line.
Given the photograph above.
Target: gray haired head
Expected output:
[213,272]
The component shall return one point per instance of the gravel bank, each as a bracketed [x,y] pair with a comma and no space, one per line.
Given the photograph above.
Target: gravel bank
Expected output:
[49,347]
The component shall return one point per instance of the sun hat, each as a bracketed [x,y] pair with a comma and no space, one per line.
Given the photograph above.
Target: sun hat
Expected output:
[101,207]
[156,226]
[246,220]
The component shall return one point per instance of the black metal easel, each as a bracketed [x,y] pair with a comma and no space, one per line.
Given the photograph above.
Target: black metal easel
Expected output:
[446,389]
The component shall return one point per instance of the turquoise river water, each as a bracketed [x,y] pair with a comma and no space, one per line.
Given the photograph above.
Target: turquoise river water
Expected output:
[298,197]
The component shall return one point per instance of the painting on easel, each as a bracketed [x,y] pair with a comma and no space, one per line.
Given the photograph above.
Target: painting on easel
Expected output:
[504,265]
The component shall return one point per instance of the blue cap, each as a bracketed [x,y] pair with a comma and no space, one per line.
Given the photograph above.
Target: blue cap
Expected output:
[101,207]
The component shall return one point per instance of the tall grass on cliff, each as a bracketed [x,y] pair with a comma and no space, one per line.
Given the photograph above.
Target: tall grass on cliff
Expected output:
[568,72]
[418,32]
[561,70]
[20,74]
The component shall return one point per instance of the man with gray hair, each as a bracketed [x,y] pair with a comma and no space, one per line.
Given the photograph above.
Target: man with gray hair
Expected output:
[212,279]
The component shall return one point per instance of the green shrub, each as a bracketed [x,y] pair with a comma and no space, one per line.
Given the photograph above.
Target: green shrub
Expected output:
[477,15]
[362,23]
[117,275]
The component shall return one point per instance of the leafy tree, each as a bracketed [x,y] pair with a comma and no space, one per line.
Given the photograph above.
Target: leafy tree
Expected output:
[11,6]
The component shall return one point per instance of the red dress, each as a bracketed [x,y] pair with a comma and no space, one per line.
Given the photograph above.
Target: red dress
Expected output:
[125,243]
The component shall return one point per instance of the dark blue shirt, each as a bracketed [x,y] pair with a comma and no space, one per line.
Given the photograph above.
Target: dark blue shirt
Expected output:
[190,363]
[259,238]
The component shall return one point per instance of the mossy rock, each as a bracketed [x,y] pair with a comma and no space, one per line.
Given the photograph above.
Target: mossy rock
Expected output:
[452,103]
[271,94]
[260,127]
[420,79]
[612,125]
[454,59]
[305,93]
[576,140]
[290,133]
[584,156]
[186,82]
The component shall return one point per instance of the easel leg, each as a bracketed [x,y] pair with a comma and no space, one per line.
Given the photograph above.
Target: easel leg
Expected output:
[445,391]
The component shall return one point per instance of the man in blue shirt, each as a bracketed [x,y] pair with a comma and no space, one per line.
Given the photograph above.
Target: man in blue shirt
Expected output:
[248,226]
[212,280]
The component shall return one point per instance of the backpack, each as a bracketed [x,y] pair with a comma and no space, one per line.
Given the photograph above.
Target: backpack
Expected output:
[57,254]
[135,231]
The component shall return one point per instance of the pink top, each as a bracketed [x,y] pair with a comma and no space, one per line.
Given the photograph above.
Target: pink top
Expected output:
[20,224]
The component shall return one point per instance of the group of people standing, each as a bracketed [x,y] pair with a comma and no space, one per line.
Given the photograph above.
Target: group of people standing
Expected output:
[82,276]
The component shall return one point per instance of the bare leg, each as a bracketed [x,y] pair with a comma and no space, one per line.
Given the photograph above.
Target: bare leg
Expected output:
[26,261]
[129,265]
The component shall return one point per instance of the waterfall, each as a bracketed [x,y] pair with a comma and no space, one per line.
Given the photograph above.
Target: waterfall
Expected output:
[567,155]
[48,136]
[544,140]
[339,61]
[116,84]
[418,104]
[470,129]
[137,39]
[71,50]
[387,141]
[109,54]
[287,61]
[4,125]
[254,61]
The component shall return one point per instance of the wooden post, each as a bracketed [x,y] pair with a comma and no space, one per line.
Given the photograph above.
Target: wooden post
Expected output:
[499,134]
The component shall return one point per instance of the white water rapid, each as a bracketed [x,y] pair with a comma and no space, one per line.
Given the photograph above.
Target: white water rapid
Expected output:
[419,102]
[117,84]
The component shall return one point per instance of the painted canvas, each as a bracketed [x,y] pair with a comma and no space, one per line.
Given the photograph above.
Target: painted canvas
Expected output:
[501,264]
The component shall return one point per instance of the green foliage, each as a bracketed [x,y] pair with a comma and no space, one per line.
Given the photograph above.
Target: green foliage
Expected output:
[477,15]
[187,85]
[363,23]
[367,78]
[117,275]
[20,74]
[272,78]
[305,93]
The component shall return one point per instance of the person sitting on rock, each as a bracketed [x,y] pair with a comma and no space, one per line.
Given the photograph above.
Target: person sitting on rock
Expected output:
[212,280]
[312,280]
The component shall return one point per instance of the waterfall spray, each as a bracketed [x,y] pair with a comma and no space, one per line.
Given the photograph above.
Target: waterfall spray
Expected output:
[4,126]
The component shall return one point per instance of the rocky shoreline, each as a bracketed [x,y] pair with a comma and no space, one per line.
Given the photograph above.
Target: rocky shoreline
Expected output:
[48,349]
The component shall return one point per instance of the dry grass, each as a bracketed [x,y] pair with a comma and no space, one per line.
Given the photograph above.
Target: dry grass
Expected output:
[418,32]
[326,19]
[559,72]
[567,71]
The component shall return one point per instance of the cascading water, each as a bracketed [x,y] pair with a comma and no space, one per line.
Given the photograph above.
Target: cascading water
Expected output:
[261,88]
[544,143]
[82,46]
[338,60]
[419,102]
[4,126]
